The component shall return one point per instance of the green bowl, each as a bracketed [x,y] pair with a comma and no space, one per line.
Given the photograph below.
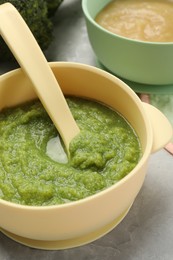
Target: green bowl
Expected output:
[133,60]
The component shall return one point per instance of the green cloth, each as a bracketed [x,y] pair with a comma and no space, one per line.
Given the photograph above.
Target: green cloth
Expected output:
[164,103]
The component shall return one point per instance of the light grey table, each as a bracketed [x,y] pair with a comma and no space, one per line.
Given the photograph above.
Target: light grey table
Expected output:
[146,233]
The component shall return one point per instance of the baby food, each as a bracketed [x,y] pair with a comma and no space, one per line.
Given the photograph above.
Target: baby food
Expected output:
[105,151]
[146,20]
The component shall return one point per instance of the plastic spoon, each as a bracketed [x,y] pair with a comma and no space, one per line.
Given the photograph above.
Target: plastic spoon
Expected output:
[27,52]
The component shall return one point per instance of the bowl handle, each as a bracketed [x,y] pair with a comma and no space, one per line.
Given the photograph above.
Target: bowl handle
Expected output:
[162,129]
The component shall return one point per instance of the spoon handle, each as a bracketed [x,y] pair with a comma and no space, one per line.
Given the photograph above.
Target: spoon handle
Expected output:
[27,52]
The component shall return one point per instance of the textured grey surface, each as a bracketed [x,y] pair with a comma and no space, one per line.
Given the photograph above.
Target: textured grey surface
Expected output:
[146,233]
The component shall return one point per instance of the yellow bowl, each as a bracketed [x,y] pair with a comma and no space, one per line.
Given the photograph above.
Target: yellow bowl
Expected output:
[76,223]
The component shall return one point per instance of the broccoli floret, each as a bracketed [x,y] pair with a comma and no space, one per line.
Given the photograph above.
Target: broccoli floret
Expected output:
[52,6]
[35,14]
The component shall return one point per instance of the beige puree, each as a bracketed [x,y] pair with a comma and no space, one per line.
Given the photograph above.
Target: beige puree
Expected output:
[146,20]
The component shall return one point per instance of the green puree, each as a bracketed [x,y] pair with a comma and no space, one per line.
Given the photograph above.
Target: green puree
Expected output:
[106,150]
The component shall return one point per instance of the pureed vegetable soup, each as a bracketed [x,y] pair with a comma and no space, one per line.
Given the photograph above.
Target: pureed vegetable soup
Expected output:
[146,20]
[33,173]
